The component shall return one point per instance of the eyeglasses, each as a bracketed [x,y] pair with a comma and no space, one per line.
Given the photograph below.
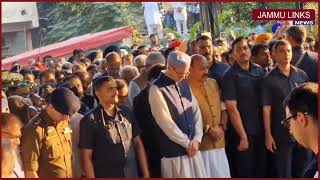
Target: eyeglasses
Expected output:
[10,135]
[122,96]
[286,121]
[185,75]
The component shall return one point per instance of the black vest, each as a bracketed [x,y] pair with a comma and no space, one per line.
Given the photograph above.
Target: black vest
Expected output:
[180,107]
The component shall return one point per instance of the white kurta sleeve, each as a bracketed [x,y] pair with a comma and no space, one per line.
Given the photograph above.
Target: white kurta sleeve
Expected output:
[161,114]
[133,90]
[198,120]
[223,106]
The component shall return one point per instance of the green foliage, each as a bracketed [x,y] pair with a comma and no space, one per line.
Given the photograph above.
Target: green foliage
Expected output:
[236,18]
[268,27]
[314,29]
[176,34]
[194,30]
[237,14]
[71,19]
[240,31]
[221,18]
[281,5]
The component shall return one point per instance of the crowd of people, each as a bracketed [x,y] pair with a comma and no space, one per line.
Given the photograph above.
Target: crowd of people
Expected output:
[243,107]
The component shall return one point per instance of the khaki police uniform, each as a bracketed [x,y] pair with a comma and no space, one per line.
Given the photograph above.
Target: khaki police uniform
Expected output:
[46,147]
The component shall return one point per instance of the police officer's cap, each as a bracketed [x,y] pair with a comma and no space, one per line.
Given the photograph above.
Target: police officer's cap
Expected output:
[64,101]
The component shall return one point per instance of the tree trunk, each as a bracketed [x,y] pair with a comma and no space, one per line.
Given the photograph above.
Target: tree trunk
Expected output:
[209,15]
[299,5]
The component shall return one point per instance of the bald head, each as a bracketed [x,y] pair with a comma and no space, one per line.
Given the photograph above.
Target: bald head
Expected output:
[178,60]
[113,57]
[197,58]
[113,64]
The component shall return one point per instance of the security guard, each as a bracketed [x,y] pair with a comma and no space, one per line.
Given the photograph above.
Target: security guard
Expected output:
[109,137]
[46,140]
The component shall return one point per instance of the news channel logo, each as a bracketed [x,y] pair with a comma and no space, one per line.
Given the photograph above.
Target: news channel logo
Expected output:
[304,23]
[296,16]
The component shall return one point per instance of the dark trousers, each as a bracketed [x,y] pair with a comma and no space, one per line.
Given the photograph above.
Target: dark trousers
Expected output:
[246,164]
[192,19]
[169,21]
[290,160]
[270,167]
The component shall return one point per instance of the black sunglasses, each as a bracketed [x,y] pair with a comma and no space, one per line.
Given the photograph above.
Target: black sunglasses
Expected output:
[286,121]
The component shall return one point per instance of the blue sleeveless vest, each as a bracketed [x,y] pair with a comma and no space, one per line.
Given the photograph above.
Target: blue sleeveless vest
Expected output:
[179,101]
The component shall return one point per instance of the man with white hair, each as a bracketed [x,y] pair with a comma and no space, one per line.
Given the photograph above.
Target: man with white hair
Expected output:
[178,119]
[128,73]
[140,62]
[7,160]
[140,82]
[11,132]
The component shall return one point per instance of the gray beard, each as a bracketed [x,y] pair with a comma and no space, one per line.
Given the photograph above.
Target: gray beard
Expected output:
[17,160]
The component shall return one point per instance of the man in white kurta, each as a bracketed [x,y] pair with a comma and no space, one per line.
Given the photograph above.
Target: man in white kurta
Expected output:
[179,121]
[180,16]
[153,18]
[76,159]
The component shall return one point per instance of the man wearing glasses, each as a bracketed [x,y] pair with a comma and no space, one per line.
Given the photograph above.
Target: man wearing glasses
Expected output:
[302,120]
[178,119]
[11,131]
[290,159]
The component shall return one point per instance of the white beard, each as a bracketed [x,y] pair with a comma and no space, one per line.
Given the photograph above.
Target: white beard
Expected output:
[18,167]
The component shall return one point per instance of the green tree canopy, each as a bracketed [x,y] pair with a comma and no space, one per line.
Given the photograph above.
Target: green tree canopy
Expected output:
[71,19]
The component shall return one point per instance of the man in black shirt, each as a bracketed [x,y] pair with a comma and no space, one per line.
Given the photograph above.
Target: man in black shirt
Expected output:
[107,137]
[276,85]
[143,114]
[205,48]
[305,60]
[260,55]
[241,93]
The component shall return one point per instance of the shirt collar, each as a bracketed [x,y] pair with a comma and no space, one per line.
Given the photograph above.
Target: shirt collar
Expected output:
[196,83]
[171,81]
[277,70]
[297,49]
[237,66]
[46,118]
[118,111]
[214,62]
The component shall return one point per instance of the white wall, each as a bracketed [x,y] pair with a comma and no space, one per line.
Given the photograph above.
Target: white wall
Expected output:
[12,12]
